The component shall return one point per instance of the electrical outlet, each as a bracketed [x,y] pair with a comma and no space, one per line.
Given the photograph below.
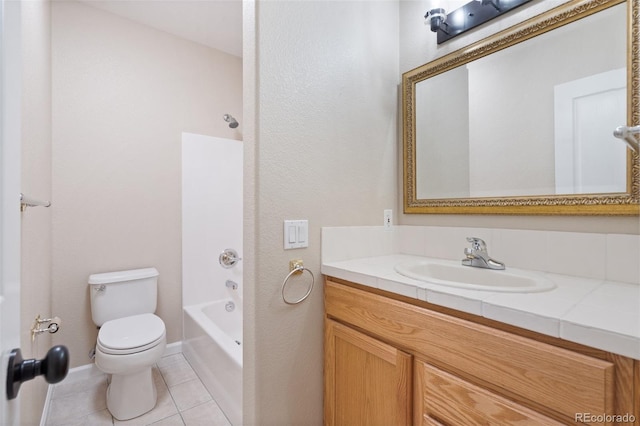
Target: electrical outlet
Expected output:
[388,218]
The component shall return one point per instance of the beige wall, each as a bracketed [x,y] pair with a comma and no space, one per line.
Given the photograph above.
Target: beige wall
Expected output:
[324,149]
[122,95]
[36,182]
[418,46]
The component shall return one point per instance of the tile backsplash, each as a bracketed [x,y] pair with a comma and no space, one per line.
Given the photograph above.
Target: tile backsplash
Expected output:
[612,257]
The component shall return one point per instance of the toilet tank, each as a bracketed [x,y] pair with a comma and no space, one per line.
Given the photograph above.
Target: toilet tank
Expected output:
[123,293]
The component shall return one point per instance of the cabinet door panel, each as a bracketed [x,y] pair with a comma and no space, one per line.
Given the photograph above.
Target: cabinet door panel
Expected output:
[458,402]
[367,382]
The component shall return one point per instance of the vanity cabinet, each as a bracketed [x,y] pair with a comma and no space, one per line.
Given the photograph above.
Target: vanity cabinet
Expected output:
[390,360]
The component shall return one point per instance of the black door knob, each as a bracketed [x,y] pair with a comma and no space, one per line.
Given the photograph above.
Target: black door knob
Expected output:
[54,367]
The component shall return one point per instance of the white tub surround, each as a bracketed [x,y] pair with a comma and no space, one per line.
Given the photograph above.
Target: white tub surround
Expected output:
[212,208]
[596,302]
[211,217]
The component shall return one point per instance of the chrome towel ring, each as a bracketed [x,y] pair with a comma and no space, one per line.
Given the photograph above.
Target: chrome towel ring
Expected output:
[297,269]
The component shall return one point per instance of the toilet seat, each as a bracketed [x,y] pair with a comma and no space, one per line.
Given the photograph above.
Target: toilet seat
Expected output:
[130,335]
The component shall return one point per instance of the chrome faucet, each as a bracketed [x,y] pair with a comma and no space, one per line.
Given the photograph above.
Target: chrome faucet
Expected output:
[232,285]
[478,257]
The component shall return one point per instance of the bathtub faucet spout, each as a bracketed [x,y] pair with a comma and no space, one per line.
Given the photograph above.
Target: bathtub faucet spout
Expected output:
[232,285]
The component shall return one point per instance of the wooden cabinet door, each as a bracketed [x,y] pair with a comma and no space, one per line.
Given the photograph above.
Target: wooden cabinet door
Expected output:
[444,399]
[367,382]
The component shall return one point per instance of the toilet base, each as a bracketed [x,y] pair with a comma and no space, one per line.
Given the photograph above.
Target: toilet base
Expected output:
[131,395]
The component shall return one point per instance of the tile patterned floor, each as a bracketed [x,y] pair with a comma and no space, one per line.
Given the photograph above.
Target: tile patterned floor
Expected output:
[182,400]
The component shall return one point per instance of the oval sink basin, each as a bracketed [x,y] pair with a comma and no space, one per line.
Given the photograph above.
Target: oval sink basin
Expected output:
[471,278]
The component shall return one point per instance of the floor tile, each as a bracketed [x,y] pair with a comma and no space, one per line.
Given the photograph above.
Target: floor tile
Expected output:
[66,388]
[174,420]
[175,369]
[78,404]
[189,394]
[205,414]
[101,418]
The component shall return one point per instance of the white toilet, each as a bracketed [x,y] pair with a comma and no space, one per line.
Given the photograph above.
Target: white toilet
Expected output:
[131,338]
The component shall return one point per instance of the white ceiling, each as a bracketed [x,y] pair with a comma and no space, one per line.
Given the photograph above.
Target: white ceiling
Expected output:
[214,23]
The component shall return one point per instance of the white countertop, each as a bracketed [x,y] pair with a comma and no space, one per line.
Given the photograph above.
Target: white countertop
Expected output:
[596,313]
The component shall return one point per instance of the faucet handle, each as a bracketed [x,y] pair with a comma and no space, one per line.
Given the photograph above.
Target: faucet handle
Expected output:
[228,258]
[477,243]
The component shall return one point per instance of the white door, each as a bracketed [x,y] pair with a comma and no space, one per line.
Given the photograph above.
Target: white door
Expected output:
[588,158]
[9,198]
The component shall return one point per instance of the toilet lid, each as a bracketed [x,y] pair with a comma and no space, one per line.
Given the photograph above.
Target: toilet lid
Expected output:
[134,332]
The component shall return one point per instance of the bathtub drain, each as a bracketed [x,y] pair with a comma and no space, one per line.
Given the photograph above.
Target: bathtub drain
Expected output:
[238,342]
[229,306]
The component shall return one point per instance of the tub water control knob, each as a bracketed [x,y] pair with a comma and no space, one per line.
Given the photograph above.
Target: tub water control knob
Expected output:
[228,258]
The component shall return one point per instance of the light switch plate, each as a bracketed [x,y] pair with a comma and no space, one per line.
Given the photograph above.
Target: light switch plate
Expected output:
[296,234]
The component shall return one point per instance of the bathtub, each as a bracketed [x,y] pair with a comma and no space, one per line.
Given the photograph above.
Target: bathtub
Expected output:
[213,346]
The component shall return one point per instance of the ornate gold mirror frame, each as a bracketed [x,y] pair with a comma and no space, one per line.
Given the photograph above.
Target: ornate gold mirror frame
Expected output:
[579,204]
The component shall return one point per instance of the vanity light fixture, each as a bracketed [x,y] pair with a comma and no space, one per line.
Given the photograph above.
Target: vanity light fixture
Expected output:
[472,14]
[436,18]
[494,3]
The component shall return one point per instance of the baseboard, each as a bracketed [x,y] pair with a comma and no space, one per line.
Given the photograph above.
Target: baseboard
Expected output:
[45,409]
[89,370]
[173,348]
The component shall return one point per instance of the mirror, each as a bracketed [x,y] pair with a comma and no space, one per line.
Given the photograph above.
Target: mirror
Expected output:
[522,122]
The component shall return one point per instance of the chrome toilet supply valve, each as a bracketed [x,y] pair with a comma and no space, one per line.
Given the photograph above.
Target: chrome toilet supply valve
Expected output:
[52,327]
